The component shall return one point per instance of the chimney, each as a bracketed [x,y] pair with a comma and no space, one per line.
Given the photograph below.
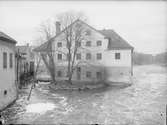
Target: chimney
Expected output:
[57,27]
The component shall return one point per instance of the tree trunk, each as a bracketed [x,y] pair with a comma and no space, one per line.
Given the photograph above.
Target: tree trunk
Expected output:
[50,68]
[70,78]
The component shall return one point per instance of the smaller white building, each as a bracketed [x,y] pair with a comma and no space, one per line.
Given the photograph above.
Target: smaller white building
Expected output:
[8,88]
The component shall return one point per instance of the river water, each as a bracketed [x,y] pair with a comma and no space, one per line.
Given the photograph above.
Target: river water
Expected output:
[142,103]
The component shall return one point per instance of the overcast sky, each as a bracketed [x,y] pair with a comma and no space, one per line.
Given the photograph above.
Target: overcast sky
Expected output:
[142,24]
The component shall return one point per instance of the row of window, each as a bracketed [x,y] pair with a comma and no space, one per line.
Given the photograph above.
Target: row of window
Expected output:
[88,74]
[88,43]
[5,60]
[89,56]
[78,56]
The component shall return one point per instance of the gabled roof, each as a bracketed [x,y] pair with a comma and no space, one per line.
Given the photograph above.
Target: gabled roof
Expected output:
[115,41]
[7,38]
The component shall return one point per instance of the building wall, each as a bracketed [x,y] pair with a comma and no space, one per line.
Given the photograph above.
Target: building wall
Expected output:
[7,76]
[118,70]
[124,61]
[93,49]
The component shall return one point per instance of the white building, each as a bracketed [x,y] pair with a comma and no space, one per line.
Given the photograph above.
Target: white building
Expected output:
[8,89]
[107,56]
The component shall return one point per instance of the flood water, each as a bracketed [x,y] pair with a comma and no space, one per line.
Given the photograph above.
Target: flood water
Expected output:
[142,103]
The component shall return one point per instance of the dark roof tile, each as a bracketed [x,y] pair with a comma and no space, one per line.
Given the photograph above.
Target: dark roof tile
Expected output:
[116,42]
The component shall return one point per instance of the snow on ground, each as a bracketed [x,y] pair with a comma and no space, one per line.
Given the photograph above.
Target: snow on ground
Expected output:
[143,103]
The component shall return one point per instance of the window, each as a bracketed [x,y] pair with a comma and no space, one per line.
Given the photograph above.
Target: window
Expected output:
[78,56]
[88,43]
[78,44]
[59,56]
[11,60]
[88,56]
[98,43]
[4,60]
[59,44]
[99,56]
[88,74]
[117,56]
[88,32]
[59,74]
[5,92]
[98,75]
[78,69]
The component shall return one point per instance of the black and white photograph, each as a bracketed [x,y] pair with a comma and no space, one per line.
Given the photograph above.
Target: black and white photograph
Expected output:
[83,62]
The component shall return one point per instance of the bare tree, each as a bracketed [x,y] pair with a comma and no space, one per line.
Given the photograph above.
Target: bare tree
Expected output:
[47,30]
[74,35]
[48,59]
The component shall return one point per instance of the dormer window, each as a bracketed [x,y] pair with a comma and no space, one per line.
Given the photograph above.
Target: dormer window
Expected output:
[88,43]
[99,43]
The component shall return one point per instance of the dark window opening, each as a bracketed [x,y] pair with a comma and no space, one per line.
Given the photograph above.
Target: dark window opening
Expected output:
[117,55]
[99,43]
[59,74]
[78,44]
[59,44]
[88,32]
[78,69]
[88,43]
[88,56]
[78,56]
[59,56]
[88,74]
[4,60]
[5,92]
[11,60]
[99,56]
[98,75]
